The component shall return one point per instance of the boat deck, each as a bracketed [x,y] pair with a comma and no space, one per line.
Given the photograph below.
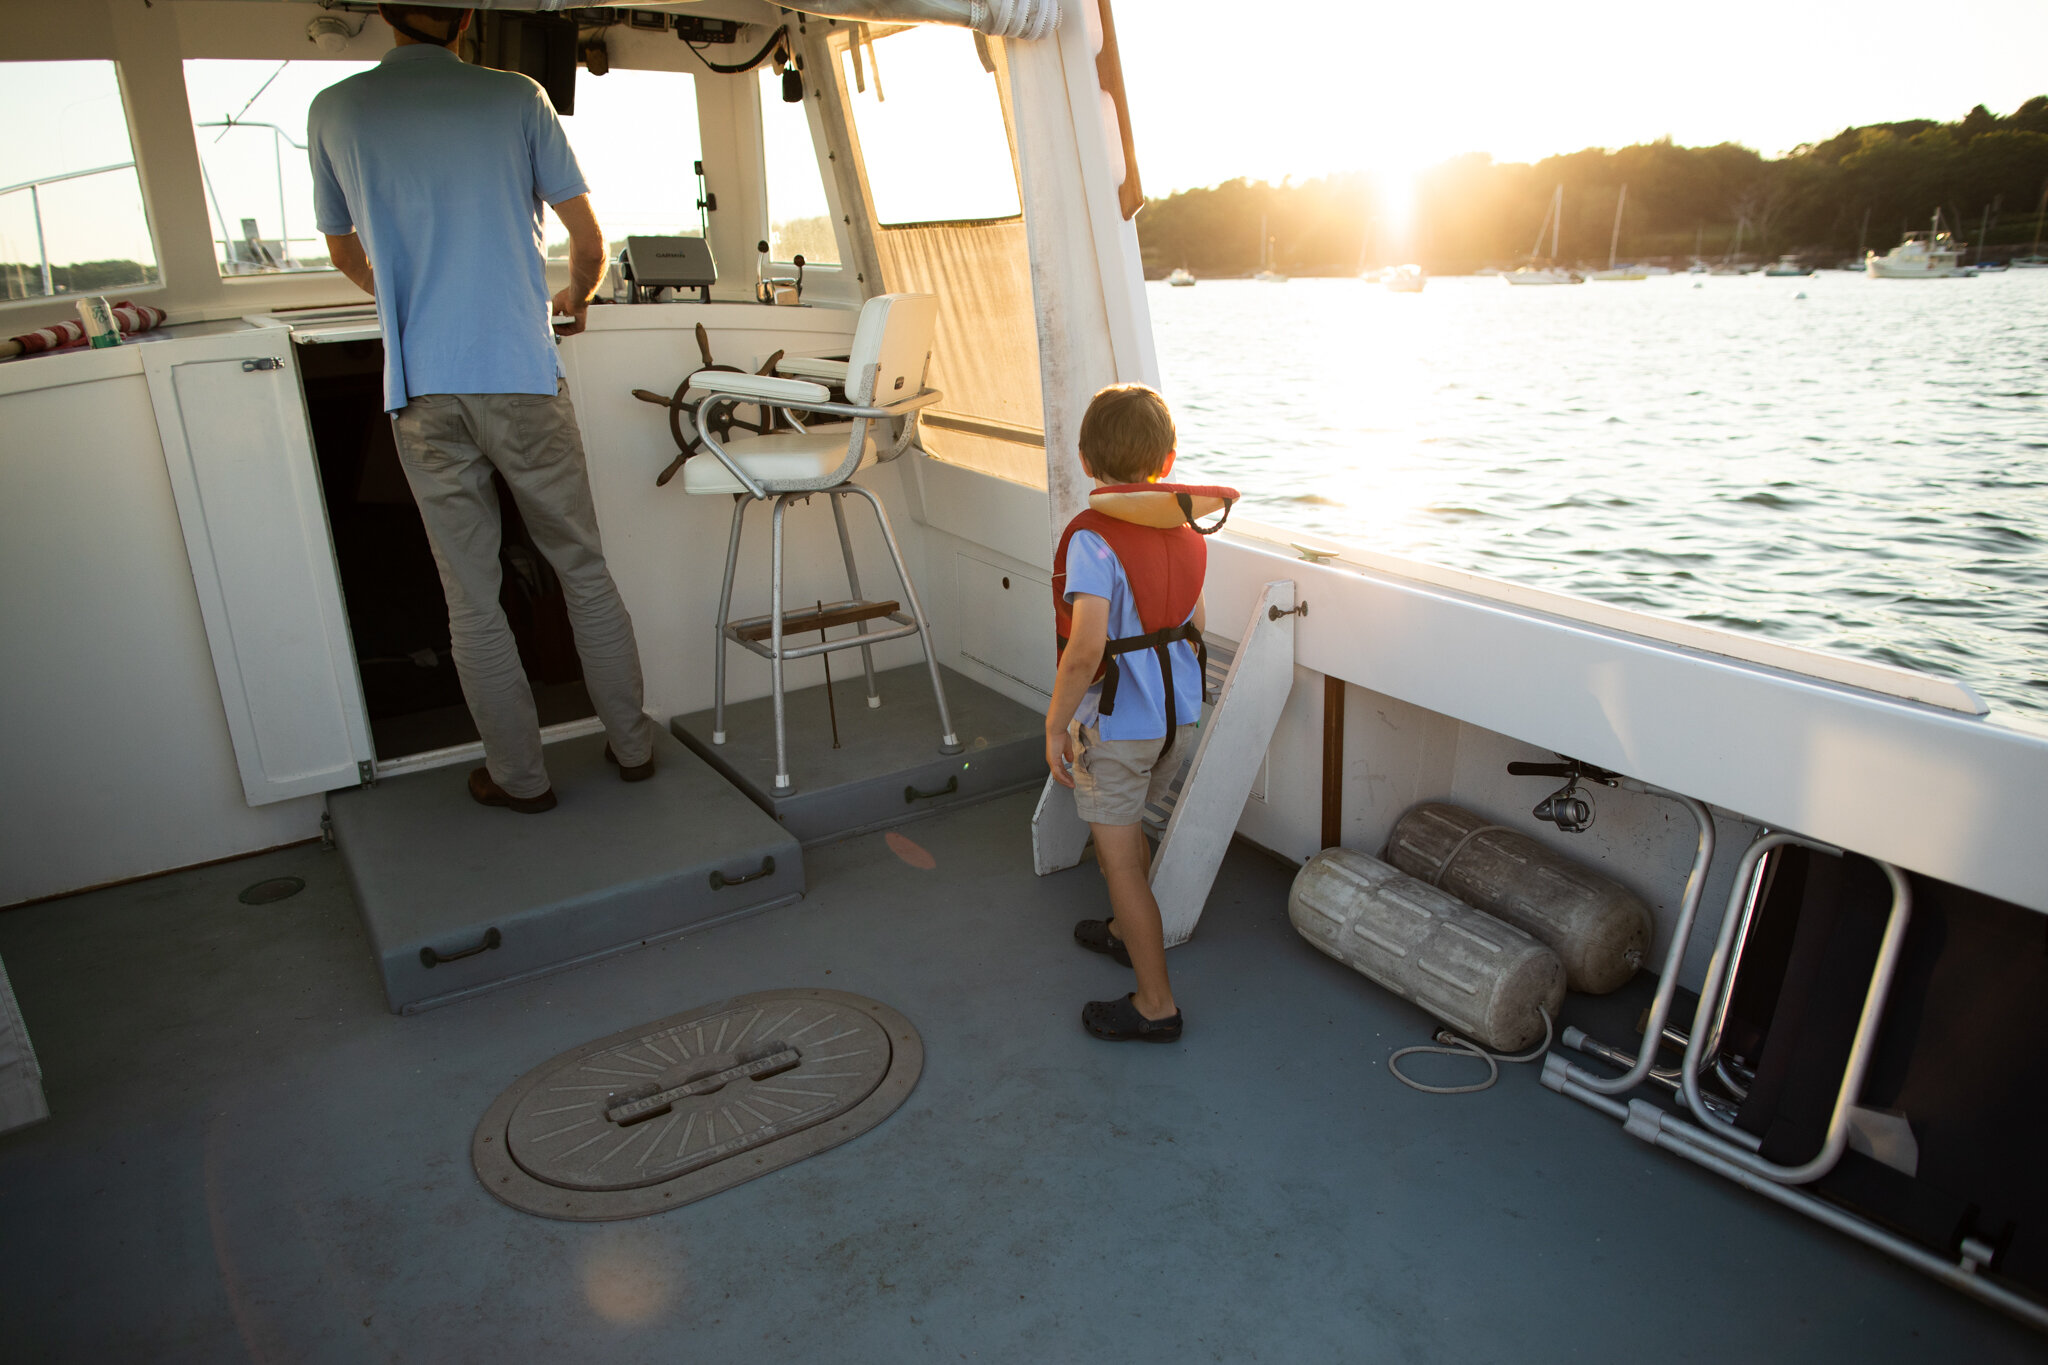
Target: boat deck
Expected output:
[251,1158]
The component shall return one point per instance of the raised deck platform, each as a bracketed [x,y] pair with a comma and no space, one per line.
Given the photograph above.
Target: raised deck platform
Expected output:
[887,768]
[458,897]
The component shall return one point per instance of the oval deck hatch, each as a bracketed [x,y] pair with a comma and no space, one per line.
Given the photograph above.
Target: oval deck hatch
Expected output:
[672,1111]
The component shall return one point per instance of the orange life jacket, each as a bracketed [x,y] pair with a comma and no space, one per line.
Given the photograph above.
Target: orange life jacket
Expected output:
[1154,534]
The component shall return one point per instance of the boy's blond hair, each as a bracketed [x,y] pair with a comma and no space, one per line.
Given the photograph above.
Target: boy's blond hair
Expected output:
[1127,433]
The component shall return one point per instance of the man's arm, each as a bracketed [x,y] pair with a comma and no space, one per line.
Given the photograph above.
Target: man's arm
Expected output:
[349,258]
[1077,671]
[586,261]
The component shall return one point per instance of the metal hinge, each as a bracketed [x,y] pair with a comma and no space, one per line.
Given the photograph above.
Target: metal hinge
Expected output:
[366,771]
[326,830]
[267,362]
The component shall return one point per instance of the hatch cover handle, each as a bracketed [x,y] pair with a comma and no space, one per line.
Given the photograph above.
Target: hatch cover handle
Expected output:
[491,939]
[647,1106]
[912,794]
[268,362]
[719,881]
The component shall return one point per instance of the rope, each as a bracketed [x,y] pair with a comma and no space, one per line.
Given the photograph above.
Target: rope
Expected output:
[1443,868]
[1464,1047]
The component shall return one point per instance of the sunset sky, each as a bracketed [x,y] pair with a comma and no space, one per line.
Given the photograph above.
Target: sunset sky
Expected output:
[1216,90]
[1219,90]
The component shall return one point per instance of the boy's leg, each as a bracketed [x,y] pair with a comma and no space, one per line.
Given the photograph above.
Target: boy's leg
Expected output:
[1125,856]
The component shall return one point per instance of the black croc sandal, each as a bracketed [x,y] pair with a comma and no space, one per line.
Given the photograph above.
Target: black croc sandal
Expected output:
[1118,1021]
[1094,935]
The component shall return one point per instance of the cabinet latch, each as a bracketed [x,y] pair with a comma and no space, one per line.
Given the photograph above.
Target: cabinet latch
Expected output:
[267,362]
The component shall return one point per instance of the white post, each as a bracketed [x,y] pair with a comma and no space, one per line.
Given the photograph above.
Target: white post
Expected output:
[1086,279]
[1219,782]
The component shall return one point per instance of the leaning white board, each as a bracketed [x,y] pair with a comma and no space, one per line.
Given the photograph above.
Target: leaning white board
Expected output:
[1234,738]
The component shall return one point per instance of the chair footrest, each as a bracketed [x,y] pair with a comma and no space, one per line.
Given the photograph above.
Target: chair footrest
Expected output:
[795,622]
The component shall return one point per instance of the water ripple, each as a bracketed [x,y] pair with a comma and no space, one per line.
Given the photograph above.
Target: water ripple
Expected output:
[1864,474]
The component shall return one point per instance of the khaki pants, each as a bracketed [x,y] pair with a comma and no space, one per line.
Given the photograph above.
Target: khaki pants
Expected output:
[449,443]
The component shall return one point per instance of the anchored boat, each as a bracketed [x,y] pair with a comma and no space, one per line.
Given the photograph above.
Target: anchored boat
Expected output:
[1930,255]
[289,1002]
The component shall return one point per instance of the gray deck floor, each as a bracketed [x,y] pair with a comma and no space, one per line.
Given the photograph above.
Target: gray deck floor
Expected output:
[251,1159]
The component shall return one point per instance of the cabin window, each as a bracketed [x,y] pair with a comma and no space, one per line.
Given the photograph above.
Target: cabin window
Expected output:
[71,214]
[799,215]
[249,118]
[250,121]
[930,123]
[635,135]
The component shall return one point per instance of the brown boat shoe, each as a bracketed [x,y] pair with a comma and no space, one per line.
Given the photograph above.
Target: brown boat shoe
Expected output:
[639,772]
[488,793]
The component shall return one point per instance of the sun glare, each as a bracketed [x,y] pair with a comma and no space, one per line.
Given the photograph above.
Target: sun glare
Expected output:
[1393,178]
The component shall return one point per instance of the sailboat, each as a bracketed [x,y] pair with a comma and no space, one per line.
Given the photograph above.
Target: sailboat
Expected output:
[2034,260]
[1614,272]
[1553,221]
[1267,274]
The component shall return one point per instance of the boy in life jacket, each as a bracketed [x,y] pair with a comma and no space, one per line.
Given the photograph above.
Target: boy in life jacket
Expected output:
[1128,600]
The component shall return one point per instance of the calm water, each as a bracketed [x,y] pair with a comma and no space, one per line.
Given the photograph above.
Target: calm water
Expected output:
[1864,470]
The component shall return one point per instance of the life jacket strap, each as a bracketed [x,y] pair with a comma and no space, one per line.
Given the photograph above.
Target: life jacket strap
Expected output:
[1157,641]
[1187,511]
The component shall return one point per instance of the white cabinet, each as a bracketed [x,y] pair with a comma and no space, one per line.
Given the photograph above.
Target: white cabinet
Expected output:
[240,454]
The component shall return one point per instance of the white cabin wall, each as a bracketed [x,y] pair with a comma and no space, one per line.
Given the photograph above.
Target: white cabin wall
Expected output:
[115,746]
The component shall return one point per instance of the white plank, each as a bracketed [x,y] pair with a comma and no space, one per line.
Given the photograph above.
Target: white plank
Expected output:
[1058,835]
[1239,728]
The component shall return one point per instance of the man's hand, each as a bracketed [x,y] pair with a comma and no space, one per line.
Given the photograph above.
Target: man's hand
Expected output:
[1060,756]
[568,303]
[586,262]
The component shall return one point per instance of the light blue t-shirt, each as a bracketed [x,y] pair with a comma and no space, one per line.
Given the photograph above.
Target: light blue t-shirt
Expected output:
[1093,568]
[443,169]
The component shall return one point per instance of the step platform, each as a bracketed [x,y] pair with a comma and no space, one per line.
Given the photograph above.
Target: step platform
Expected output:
[888,768]
[460,898]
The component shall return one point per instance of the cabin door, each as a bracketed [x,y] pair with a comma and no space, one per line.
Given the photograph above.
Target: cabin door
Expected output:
[235,436]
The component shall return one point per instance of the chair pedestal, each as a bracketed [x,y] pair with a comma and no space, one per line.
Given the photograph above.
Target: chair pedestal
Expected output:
[771,636]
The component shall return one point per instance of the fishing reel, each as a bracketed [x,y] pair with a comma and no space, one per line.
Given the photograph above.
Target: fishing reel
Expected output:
[1569,808]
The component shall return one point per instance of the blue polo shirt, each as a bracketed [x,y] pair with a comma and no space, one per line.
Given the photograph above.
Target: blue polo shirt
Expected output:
[1093,568]
[443,169]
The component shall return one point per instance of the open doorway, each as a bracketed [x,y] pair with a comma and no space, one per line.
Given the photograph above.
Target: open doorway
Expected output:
[397,615]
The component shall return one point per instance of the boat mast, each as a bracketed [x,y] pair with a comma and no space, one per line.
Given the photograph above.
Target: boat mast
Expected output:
[1557,219]
[2039,209]
[1615,241]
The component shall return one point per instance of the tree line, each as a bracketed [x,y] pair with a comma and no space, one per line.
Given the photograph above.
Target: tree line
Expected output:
[1824,201]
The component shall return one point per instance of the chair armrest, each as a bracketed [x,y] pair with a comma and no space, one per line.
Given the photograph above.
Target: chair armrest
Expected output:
[902,407]
[759,386]
[812,367]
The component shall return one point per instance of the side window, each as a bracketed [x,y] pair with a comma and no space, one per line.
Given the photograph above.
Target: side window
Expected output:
[799,215]
[930,123]
[635,136]
[71,214]
[249,118]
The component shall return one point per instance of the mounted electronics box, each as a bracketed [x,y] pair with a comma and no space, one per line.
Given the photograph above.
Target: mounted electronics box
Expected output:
[670,262]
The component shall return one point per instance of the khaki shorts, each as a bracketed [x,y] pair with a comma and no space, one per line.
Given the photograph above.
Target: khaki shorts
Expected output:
[1115,779]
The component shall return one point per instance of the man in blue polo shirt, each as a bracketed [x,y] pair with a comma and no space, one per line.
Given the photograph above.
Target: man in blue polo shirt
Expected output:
[428,180]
